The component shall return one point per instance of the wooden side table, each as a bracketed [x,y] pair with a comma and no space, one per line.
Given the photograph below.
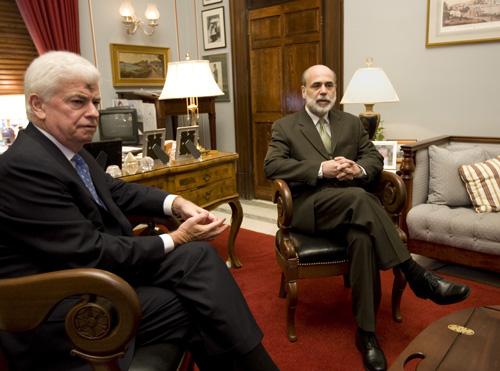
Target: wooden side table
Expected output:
[464,340]
[208,182]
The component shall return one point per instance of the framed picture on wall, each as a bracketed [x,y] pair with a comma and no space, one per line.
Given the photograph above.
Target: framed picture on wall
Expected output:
[388,149]
[210,2]
[214,33]
[138,65]
[218,65]
[462,21]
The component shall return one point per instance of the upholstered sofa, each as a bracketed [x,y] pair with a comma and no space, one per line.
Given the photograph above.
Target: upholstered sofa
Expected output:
[439,218]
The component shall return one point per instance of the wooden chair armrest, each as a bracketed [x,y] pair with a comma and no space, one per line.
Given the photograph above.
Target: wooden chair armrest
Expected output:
[391,191]
[282,197]
[99,333]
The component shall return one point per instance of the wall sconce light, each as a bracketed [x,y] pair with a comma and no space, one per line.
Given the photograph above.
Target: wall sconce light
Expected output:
[369,85]
[132,23]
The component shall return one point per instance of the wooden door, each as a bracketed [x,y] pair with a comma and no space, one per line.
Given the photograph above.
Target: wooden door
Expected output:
[273,42]
[284,40]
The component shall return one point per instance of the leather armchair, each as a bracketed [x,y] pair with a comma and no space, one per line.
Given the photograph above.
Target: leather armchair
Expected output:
[101,325]
[306,256]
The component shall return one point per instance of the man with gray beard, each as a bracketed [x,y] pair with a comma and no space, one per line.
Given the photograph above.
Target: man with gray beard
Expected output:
[328,161]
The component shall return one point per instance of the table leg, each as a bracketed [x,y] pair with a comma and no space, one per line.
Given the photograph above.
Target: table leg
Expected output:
[236,218]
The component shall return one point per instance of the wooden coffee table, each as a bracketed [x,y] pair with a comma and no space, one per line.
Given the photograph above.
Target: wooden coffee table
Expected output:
[465,340]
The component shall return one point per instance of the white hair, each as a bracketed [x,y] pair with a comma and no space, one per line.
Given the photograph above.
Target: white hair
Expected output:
[48,72]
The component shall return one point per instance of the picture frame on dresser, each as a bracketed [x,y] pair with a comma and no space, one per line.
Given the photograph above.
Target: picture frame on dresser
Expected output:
[152,138]
[388,149]
[185,134]
[213,27]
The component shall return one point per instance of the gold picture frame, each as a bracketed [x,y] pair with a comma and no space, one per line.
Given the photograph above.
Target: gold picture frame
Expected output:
[138,65]
[451,22]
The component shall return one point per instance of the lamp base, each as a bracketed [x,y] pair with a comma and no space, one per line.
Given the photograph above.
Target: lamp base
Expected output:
[370,121]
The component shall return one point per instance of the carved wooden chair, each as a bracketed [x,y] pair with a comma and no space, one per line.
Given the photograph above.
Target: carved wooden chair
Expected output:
[101,325]
[306,256]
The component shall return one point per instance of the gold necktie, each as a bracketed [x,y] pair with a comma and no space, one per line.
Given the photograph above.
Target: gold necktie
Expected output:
[325,137]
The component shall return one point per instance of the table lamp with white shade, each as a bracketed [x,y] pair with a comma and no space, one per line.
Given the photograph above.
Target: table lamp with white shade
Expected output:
[369,85]
[190,79]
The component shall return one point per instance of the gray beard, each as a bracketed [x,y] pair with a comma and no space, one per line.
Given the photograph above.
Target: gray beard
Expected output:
[318,110]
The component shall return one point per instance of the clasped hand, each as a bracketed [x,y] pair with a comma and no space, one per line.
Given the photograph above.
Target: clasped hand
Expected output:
[340,168]
[198,224]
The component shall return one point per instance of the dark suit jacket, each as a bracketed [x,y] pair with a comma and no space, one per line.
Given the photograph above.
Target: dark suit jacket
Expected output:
[48,220]
[296,152]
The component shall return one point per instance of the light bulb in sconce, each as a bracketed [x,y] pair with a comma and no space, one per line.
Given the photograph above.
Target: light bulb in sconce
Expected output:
[152,14]
[132,23]
[126,9]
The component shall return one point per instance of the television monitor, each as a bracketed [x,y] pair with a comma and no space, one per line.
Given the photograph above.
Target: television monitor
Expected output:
[119,123]
[106,152]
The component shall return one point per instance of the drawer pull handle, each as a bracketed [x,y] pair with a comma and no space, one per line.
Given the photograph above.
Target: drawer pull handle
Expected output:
[206,177]
[207,195]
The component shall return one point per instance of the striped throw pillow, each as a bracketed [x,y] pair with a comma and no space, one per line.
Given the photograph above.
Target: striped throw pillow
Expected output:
[482,181]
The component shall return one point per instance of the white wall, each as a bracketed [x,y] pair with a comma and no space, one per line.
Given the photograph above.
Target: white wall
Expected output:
[442,90]
[108,29]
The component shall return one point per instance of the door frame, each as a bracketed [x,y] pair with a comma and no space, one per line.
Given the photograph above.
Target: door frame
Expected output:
[333,34]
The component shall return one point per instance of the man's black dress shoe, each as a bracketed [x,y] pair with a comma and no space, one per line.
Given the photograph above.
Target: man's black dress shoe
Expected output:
[439,290]
[373,357]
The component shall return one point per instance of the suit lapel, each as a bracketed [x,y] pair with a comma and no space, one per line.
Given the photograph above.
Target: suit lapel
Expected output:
[311,134]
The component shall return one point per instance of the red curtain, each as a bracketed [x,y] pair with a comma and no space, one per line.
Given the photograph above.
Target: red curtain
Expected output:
[52,24]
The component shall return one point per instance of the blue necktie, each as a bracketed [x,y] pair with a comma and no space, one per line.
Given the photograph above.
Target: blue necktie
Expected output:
[82,170]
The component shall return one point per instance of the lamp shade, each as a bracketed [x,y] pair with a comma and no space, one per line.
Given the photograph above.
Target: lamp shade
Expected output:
[152,12]
[369,85]
[126,9]
[189,78]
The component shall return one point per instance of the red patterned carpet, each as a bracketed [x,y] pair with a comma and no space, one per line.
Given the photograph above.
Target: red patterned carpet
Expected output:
[325,326]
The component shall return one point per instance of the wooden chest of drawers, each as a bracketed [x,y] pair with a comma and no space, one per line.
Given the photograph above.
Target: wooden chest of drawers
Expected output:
[208,183]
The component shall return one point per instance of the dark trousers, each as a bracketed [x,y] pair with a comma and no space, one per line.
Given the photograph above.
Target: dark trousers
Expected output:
[191,298]
[200,302]
[373,243]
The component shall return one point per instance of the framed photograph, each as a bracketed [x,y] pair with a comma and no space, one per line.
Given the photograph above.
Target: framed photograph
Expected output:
[214,32]
[210,2]
[185,133]
[388,149]
[151,138]
[137,65]
[462,21]
[218,65]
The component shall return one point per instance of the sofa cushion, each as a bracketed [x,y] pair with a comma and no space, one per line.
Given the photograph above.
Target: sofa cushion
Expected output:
[482,181]
[445,186]
[455,226]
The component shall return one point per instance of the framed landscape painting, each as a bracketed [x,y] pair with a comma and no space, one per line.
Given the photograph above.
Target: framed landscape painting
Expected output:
[137,65]
[462,21]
